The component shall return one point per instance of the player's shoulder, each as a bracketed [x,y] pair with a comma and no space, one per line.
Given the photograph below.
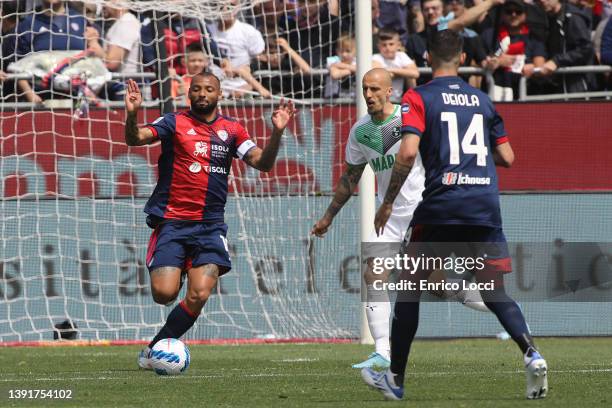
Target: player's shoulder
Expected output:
[484,97]
[414,96]
[169,117]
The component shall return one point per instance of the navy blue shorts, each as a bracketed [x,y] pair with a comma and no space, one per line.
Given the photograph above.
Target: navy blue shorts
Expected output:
[189,244]
[461,240]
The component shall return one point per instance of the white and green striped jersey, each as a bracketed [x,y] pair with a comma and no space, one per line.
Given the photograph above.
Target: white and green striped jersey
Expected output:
[377,143]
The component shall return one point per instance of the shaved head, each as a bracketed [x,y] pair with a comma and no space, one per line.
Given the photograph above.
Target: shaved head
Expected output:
[377,88]
[203,75]
[380,76]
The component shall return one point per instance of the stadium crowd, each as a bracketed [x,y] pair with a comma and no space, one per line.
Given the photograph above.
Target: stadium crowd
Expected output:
[310,41]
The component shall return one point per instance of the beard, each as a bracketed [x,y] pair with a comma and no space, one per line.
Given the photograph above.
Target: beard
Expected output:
[211,107]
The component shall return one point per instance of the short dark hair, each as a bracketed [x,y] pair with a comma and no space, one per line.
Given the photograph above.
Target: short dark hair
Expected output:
[386,34]
[445,45]
[194,47]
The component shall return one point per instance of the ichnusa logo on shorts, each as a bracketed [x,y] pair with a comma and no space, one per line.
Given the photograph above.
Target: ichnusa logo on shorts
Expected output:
[452,178]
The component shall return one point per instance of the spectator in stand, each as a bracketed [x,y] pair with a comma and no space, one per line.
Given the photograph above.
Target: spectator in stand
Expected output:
[269,14]
[8,24]
[512,48]
[586,6]
[196,62]
[279,56]
[416,46]
[240,43]
[55,27]
[178,33]
[313,29]
[416,20]
[597,34]
[394,15]
[402,68]
[375,17]
[606,44]
[122,40]
[342,68]
[568,44]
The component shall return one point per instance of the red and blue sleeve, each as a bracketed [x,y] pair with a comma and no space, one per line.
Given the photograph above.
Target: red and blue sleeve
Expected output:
[413,113]
[163,127]
[497,131]
[243,141]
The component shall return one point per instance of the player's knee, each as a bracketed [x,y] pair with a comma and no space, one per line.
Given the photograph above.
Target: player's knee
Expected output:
[373,274]
[164,296]
[198,295]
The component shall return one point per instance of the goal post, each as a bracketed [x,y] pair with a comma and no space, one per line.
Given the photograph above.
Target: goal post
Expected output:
[367,204]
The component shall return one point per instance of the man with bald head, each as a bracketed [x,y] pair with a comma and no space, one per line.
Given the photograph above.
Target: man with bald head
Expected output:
[375,140]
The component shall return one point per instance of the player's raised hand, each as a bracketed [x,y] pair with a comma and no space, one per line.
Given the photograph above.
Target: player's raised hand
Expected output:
[133,97]
[321,227]
[381,218]
[282,115]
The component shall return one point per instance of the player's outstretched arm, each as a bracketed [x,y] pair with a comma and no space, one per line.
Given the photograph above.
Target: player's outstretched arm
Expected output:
[344,190]
[404,160]
[503,155]
[263,159]
[135,136]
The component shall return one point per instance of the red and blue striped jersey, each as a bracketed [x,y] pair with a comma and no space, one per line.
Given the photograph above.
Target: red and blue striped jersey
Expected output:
[459,128]
[194,166]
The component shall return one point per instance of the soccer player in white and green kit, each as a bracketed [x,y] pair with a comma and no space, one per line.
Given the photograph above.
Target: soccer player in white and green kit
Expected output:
[375,140]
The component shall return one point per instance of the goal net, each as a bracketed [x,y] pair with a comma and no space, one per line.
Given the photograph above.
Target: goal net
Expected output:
[74,237]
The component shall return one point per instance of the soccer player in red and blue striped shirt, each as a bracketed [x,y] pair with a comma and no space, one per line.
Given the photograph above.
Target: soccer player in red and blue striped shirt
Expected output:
[187,207]
[461,138]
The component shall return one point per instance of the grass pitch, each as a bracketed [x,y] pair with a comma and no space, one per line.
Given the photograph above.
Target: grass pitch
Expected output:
[454,373]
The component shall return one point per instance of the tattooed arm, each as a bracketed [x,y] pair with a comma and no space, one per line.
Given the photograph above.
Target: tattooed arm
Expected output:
[404,161]
[344,190]
[135,136]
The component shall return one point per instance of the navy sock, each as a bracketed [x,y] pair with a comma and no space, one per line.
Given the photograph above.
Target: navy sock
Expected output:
[403,329]
[510,316]
[178,322]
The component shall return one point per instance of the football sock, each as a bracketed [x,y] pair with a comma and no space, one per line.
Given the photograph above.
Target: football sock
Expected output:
[178,322]
[403,330]
[510,316]
[467,297]
[473,300]
[377,314]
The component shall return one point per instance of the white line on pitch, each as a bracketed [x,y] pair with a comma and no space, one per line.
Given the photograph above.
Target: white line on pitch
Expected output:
[424,374]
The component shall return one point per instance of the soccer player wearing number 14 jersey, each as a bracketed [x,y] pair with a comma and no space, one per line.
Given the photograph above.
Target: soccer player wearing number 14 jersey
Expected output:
[186,210]
[460,138]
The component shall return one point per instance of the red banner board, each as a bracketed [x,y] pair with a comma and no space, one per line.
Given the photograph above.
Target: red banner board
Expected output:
[558,147]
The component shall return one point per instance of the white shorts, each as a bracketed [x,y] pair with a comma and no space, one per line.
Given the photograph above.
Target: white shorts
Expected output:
[394,230]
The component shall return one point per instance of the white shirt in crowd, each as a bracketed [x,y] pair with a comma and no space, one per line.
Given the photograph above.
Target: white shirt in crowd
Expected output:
[401,60]
[240,43]
[125,33]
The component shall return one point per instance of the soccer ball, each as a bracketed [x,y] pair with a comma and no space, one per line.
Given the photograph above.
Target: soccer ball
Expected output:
[169,357]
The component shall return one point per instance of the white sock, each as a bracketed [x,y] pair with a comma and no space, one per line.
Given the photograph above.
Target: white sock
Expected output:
[378,314]
[473,300]
[470,298]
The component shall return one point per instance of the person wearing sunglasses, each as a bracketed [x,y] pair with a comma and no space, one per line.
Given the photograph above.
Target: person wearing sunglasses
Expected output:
[512,46]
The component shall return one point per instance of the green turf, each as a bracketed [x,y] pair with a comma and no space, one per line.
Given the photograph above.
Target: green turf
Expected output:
[457,373]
